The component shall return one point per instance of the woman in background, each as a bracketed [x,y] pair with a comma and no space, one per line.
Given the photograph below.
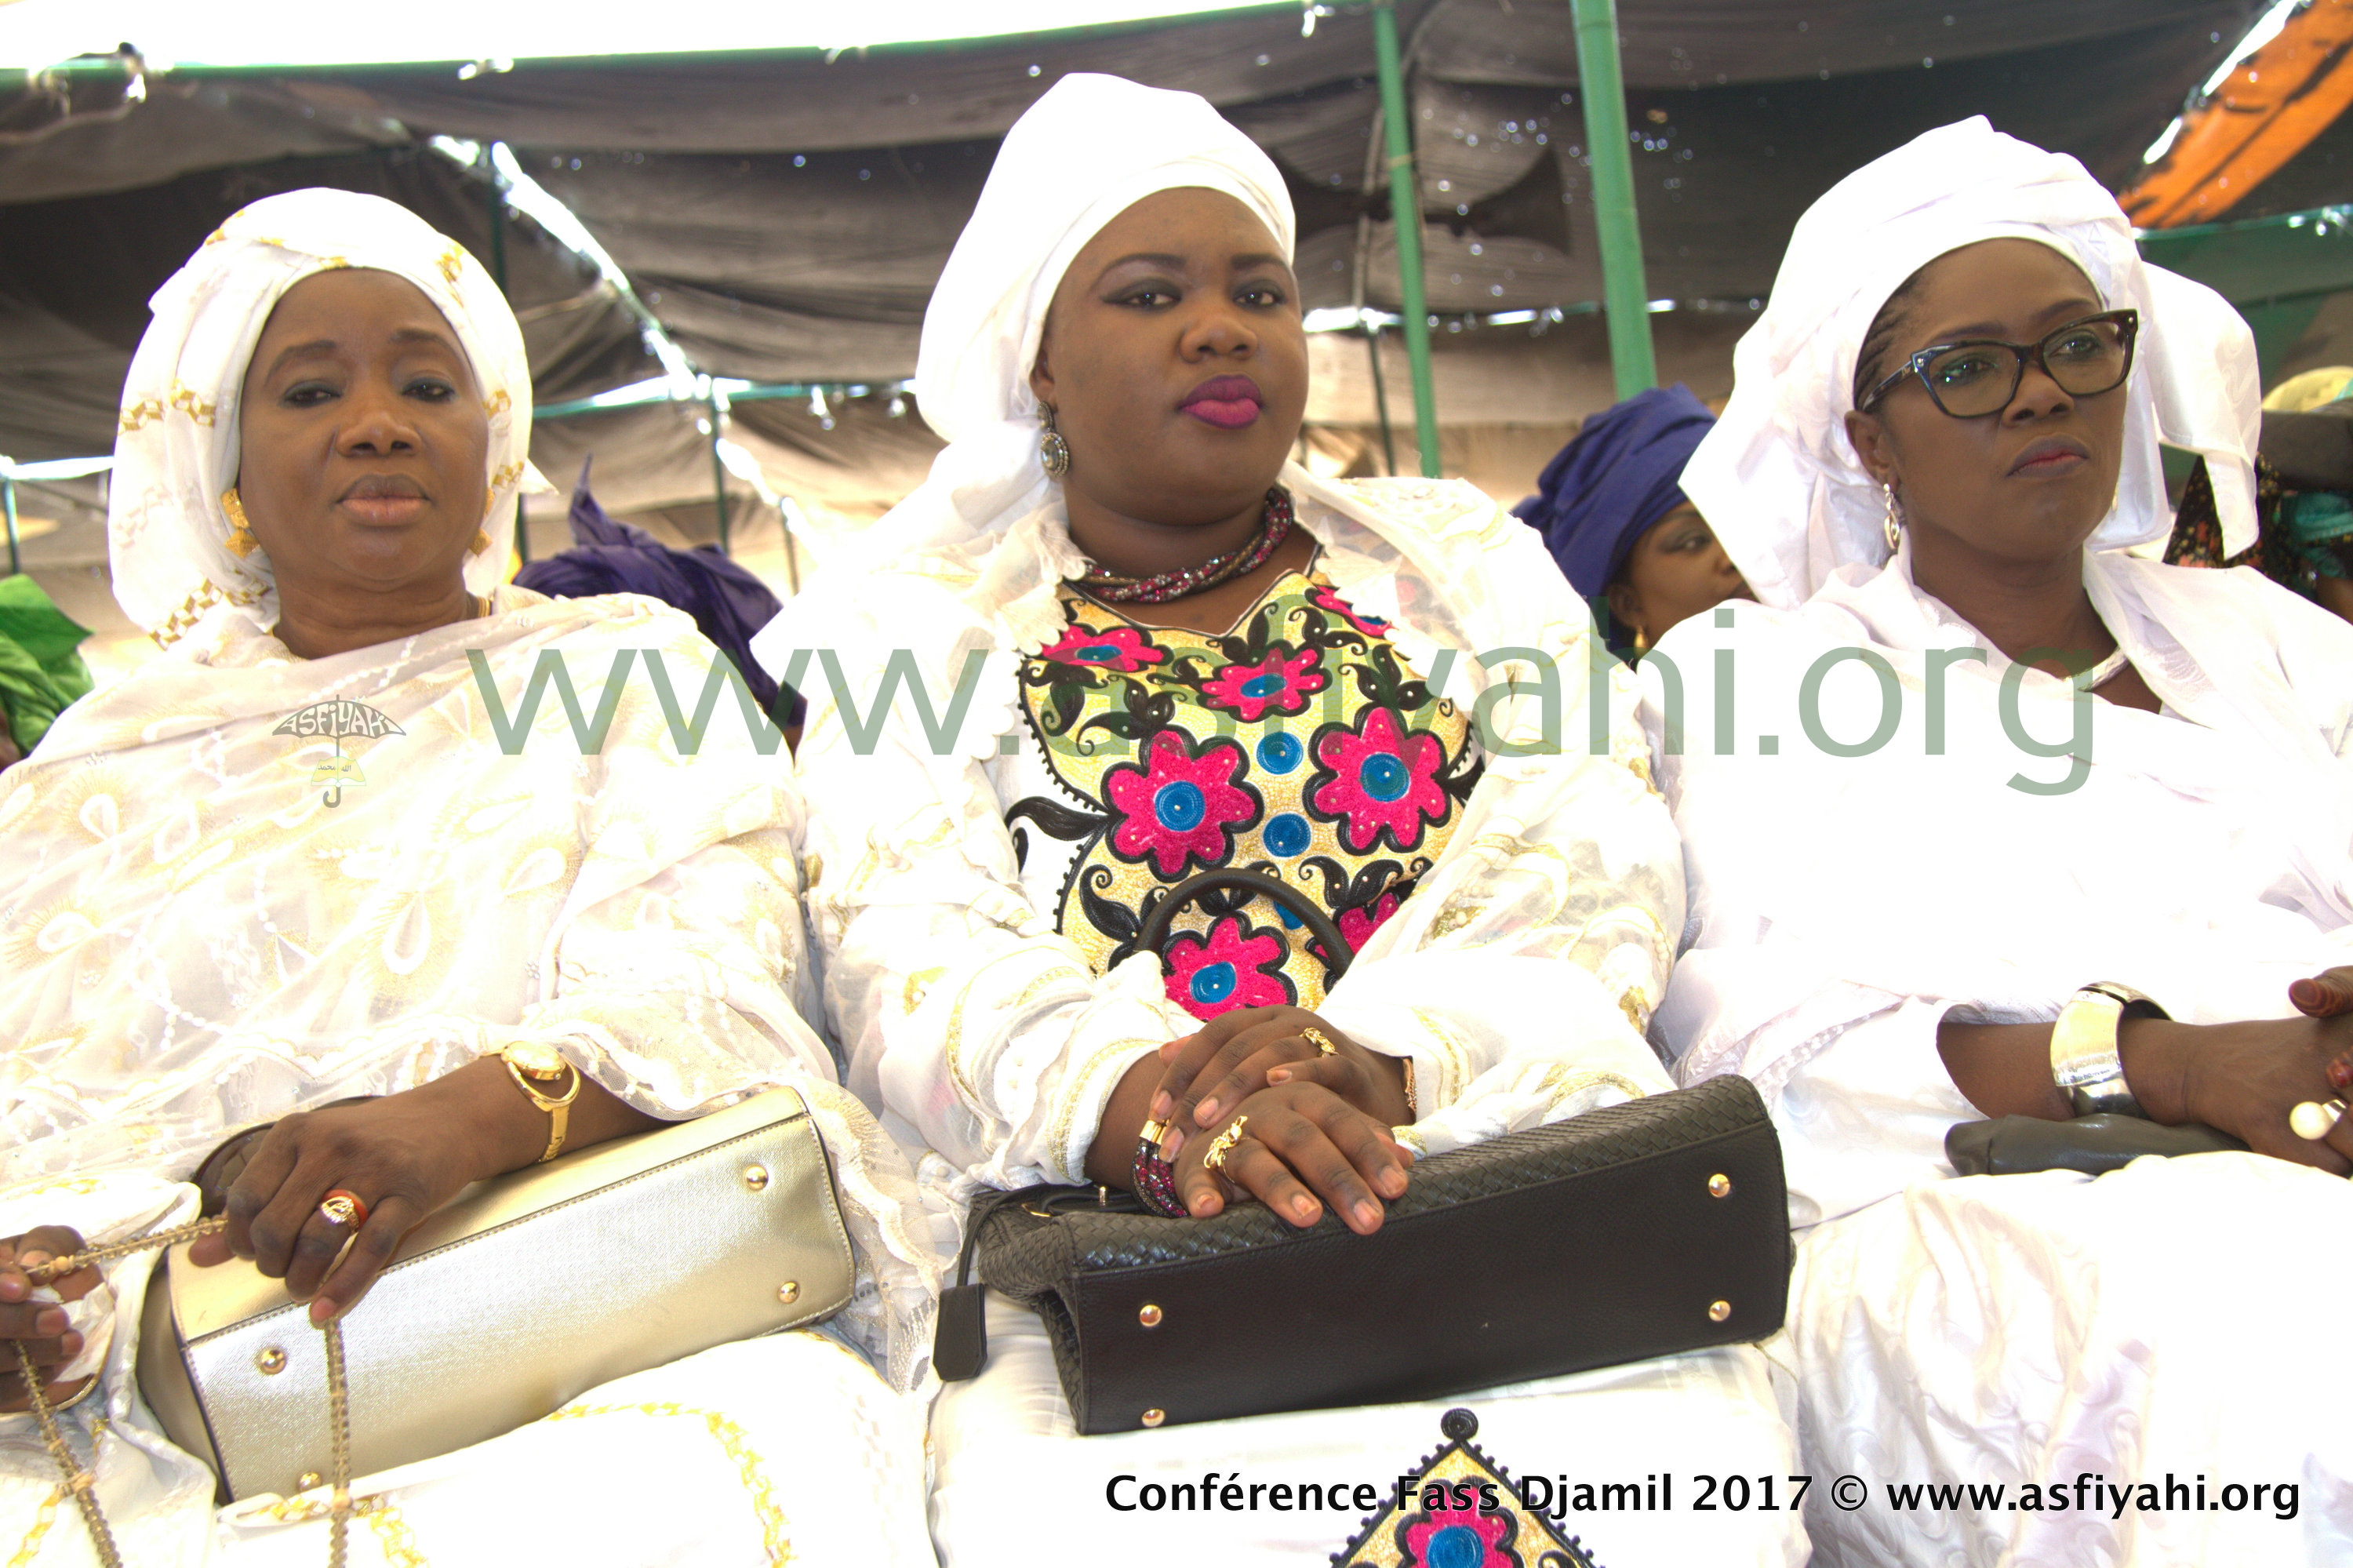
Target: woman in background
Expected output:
[1612,511]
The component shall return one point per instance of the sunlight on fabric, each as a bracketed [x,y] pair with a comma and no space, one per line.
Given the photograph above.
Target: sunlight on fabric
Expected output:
[484,38]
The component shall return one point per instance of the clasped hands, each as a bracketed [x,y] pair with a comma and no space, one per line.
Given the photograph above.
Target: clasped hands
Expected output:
[1314,1125]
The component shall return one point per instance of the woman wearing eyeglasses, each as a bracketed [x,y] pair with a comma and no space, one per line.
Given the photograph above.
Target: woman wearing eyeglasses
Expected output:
[1986,815]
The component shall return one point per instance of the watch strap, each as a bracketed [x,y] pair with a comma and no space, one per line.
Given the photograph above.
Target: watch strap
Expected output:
[559,1111]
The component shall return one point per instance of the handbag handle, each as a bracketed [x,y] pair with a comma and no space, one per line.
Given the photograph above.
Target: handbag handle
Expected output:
[1154,931]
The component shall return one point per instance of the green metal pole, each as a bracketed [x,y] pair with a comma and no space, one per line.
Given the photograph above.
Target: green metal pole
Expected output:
[1405,210]
[1381,397]
[1623,294]
[8,503]
[718,474]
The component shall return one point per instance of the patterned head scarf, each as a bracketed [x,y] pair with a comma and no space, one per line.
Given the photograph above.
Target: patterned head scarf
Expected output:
[1777,477]
[1088,150]
[176,450]
[1621,473]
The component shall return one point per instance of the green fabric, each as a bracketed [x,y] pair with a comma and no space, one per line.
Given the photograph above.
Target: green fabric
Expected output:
[40,673]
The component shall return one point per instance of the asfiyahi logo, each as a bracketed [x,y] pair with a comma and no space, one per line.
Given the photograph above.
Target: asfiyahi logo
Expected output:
[338,719]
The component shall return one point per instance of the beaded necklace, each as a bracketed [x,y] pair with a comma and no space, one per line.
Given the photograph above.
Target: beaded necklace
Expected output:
[1274,526]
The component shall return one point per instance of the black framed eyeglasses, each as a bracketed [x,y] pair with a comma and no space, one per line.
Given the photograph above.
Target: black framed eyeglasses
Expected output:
[1979,377]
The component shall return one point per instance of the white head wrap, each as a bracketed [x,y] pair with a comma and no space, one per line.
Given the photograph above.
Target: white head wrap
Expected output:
[1090,149]
[176,450]
[1777,478]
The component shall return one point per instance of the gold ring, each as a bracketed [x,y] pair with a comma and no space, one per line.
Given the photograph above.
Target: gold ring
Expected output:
[341,1208]
[1223,1144]
[1314,1037]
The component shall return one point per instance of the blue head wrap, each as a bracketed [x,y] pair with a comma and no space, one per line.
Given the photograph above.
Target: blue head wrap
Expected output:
[1617,477]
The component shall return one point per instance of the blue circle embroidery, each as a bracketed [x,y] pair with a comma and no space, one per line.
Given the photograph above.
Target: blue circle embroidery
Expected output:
[1384,776]
[1280,753]
[1263,686]
[1287,834]
[1213,983]
[1180,806]
[1097,654]
[1456,1546]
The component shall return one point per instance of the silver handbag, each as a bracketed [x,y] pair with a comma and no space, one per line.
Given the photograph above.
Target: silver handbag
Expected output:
[494,1312]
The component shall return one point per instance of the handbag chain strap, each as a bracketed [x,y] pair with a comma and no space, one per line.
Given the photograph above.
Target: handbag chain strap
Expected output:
[83,1483]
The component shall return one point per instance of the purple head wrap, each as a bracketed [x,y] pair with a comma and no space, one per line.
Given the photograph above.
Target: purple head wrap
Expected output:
[1620,474]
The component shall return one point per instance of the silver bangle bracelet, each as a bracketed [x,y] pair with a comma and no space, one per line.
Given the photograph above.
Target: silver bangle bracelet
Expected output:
[2084,1064]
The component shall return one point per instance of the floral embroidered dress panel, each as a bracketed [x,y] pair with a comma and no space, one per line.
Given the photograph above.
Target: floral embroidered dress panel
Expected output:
[1298,744]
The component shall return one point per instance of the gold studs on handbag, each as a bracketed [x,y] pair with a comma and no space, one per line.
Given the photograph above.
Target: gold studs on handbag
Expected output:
[1053,451]
[1717,1311]
[1892,522]
[240,541]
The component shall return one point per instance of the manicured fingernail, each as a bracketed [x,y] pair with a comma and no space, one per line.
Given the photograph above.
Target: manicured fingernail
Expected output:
[1368,1213]
[1392,1182]
[320,1310]
[33,1259]
[1161,1106]
[50,1322]
[1278,1075]
[1304,1207]
[1206,1113]
[1172,1143]
[2341,1074]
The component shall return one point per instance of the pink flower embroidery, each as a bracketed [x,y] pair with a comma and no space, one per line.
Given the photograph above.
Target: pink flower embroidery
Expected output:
[1179,808]
[1357,925]
[1280,681]
[1226,971]
[1119,648]
[1384,781]
[1460,1538]
[1324,599]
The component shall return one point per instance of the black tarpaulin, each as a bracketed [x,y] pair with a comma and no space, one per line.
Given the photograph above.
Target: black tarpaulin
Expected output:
[784,216]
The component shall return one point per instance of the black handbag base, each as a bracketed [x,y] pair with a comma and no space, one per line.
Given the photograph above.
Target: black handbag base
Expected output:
[1636,1231]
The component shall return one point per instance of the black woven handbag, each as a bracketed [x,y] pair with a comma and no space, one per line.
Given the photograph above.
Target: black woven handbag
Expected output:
[1634,1231]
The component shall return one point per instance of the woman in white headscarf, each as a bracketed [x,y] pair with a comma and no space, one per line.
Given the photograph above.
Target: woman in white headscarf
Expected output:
[1178,649]
[321,848]
[1972,758]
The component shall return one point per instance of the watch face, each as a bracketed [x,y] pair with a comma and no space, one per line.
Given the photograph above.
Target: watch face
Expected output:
[535,1060]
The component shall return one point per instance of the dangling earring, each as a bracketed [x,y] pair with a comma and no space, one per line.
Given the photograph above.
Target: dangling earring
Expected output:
[1053,451]
[240,541]
[1642,641]
[1893,524]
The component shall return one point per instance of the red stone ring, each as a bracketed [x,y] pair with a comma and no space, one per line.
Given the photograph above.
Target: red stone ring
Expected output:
[341,1208]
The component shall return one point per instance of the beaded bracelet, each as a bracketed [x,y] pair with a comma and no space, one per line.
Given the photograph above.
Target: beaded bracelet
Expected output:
[1155,1179]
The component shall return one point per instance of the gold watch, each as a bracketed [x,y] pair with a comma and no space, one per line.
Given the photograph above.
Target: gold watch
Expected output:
[533,1064]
